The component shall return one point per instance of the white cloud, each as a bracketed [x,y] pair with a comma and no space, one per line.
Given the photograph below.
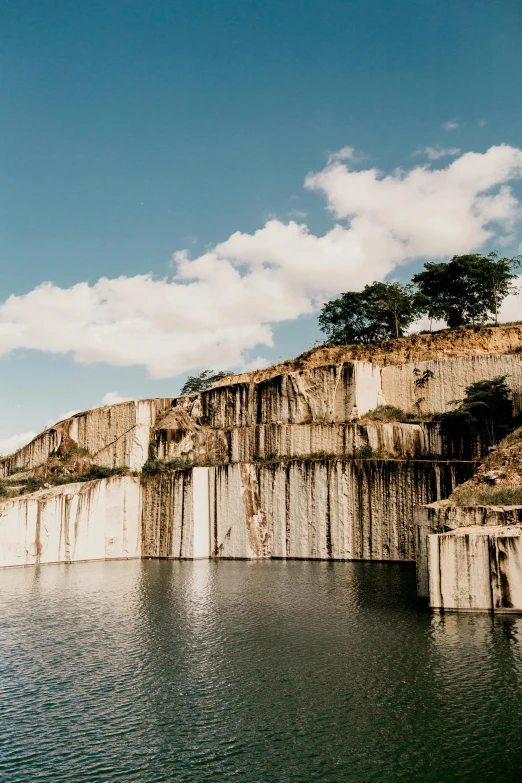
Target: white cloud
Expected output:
[345,153]
[222,304]
[482,123]
[511,309]
[450,125]
[15,442]
[60,417]
[112,398]
[434,153]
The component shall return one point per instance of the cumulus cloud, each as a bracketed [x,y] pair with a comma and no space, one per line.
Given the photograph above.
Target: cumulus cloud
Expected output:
[450,125]
[112,398]
[15,442]
[219,306]
[345,153]
[511,309]
[434,153]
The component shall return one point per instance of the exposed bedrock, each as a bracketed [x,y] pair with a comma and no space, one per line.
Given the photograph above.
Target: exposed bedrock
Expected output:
[443,520]
[318,509]
[119,435]
[183,440]
[341,393]
[450,378]
[476,568]
[82,521]
[115,436]
[331,509]
[334,393]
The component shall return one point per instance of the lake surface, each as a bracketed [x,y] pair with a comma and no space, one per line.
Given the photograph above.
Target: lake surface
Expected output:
[242,671]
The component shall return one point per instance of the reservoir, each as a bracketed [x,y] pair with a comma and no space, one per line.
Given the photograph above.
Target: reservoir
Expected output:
[276,671]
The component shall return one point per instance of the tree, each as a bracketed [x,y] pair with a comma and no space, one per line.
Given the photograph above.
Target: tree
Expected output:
[203,381]
[398,301]
[467,289]
[487,410]
[378,312]
[498,278]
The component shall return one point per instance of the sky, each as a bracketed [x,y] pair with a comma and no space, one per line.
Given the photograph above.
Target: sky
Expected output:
[184,183]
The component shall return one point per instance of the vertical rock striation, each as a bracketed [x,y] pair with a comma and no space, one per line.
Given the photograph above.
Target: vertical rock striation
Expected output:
[84,521]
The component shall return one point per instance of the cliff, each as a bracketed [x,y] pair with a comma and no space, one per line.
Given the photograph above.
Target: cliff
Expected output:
[287,463]
[469,547]
[446,344]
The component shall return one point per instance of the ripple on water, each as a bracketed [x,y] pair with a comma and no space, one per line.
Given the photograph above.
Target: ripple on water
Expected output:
[274,671]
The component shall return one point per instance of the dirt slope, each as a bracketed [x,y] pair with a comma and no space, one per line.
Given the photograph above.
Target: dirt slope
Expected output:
[454,343]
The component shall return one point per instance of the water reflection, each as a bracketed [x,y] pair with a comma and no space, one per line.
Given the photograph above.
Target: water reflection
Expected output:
[270,671]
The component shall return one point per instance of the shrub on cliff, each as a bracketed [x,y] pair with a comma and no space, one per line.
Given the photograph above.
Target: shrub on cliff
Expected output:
[389,413]
[203,381]
[486,411]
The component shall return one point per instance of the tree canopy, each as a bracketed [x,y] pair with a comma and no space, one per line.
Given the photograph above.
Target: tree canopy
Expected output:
[468,289]
[378,312]
[203,381]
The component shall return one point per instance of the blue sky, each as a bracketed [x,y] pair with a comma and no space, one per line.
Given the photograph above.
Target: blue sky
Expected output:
[132,130]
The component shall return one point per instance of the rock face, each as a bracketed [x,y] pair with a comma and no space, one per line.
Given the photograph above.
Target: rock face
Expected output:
[319,509]
[175,441]
[280,464]
[94,520]
[115,436]
[450,378]
[444,517]
[176,514]
[449,344]
[476,568]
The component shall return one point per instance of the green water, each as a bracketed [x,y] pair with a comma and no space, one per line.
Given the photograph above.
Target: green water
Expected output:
[237,671]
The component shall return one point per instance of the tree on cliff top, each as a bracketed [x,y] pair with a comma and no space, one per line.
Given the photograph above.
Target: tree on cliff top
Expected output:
[378,312]
[203,381]
[468,289]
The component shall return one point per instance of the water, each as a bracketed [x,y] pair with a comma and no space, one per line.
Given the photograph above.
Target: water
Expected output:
[252,672]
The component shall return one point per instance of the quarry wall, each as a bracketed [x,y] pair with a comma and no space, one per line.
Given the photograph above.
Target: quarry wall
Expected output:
[476,568]
[469,557]
[82,521]
[450,378]
[317,509]
[284,466]
[241,416]
[116,435]
[172,440]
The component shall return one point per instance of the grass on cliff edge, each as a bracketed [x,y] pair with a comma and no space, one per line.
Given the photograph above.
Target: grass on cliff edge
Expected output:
[25,486]
[489,496]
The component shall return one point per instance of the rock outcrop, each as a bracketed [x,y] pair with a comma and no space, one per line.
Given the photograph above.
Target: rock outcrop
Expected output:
[95,520]
[284,463]
[114,436]
[468,549]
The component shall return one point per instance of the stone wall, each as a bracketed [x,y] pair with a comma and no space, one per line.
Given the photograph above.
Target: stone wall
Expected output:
[318,509]
[83,521]
[450,378]
[334,393]
[175,517]
[444,517]
[476,568]
[115,436]
[185,441]
[325,509]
